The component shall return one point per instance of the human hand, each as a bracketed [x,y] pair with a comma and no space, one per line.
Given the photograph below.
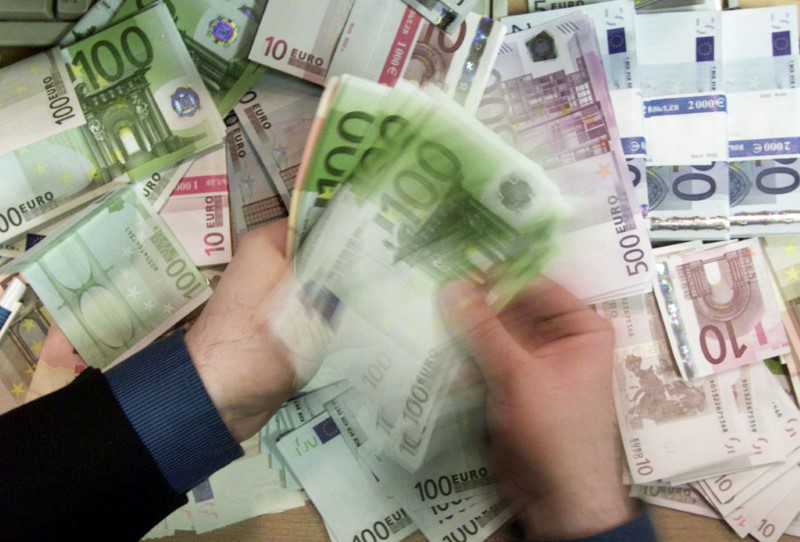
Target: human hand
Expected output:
[547,360]
[244,367]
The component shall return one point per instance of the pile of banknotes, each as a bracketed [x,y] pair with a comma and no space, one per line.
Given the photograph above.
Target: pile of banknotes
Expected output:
[408,143]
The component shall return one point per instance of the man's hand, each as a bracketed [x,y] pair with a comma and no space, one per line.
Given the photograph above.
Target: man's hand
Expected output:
[245,369]
[547,361]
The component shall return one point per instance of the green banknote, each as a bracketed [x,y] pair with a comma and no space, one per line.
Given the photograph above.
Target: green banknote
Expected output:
[139,106]
[358,126]
[451,209]
[441,198]
[218,35]
[115,278]
[144,101]
[347,111]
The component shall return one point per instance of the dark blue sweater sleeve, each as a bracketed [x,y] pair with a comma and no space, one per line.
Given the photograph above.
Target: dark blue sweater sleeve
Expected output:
[165,401]
[638,529]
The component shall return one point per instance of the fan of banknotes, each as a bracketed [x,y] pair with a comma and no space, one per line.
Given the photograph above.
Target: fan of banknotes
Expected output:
[409,143]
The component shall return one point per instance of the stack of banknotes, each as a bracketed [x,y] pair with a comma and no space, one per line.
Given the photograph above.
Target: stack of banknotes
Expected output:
[407,143]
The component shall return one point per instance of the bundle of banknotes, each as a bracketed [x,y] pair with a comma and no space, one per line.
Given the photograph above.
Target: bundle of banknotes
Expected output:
[407,143]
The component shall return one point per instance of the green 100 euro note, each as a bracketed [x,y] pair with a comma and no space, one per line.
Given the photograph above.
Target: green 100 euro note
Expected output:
[218,34]
[451,201]
[129,102]
[115,278]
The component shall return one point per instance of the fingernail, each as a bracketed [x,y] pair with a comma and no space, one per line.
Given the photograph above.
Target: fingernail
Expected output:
[457,295]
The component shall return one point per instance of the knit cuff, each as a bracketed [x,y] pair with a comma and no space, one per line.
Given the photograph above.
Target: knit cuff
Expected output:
[165,401]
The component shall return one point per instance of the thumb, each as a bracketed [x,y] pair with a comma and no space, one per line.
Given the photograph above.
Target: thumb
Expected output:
[471,320]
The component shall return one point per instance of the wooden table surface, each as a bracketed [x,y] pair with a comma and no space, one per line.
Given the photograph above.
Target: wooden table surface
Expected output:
[304,524]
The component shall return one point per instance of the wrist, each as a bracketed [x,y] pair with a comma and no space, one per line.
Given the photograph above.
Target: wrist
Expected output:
[244,400]
[578,513]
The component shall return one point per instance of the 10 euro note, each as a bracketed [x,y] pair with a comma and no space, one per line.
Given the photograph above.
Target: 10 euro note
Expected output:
[276,114]
[198,214]
[444,14]
[114,279]
[396,44]
[298,41]
[252,196]
[720,308]
[669,427]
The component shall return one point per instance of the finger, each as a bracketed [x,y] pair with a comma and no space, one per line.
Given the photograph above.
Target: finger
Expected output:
[273,234]
[471,320]
[552,310]
[257,266]
[543,299]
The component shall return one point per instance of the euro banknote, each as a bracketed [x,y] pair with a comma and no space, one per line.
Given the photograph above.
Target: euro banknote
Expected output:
[114,279]
[685,106]
[460,471]
[300,42]
[614,23]
[445,15]
[770,527]
[585,160]
[347,110]
[728,491]
[218,35]
[295,412]
[760,55]
[311,450]
[396,43]
[750,514]
[99,16]
[245,488]
[15,247]
[131,104]
[721,308]
[689,202]
[684,498]
[390,234]
[276,114]
[764,197]
[156,189]
[198,213]
[252,196]
[471,520]
[663,418]
[174,102]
